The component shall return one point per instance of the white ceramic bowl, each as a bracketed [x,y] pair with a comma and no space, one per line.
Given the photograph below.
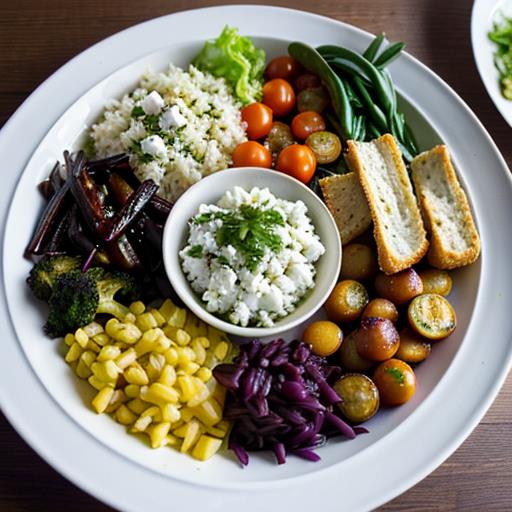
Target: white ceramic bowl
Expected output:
[209,190]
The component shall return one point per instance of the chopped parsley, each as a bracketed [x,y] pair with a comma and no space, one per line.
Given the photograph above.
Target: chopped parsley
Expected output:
[250,230]
[196,251]
[136,150]
[396,374]
[137,111]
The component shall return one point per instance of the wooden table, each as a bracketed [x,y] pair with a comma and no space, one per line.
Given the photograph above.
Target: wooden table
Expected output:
[38,36]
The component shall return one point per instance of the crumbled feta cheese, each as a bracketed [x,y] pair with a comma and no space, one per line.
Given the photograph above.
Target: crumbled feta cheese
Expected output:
[171,118]
[153,103]
[154,146]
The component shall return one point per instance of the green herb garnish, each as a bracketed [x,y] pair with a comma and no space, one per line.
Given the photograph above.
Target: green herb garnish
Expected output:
[501,34]
[397,374]
[222,260]
[196,251]
[137,111]
[250,230]
[136,150]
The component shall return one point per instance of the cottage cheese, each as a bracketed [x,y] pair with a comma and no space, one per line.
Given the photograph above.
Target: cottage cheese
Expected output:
[220,274]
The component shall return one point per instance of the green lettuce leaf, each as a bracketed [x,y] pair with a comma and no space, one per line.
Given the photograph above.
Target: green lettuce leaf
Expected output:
[235,58]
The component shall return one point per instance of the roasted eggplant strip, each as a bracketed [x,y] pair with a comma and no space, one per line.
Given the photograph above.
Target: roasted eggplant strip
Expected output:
[76,234]
[109,162]
[56,243]
[120,188]
[160,207]
[122,254]
[133,207]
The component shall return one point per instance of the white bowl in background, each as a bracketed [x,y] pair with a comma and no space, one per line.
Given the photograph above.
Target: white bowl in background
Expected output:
[208,191]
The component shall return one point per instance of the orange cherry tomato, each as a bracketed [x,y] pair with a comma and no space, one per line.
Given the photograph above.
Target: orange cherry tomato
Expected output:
[278,94]
[284,67]
[306,123]
[395,381]
[259,120]
[252,154]
[298,161]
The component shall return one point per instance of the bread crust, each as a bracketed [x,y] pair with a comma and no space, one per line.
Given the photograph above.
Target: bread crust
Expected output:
[440,254]
[390,261]
[345,199]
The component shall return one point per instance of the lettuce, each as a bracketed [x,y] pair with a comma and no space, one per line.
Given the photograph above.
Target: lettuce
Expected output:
[235,58]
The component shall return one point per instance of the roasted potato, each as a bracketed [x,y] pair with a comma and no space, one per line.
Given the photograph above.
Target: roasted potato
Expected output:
[432,316]
[349,358]
[436,281]
[324,337]
[399,288]
[395,381]
[413,348]
[359,397]
[381,308]
[377,339]
[347,301]
[359,262]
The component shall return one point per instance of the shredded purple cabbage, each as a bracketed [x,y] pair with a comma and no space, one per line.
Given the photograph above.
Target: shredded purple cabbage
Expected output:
[280,398]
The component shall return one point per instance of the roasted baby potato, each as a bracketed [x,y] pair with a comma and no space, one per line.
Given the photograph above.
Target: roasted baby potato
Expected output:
[360,397]
[395,381]
[324,337]
[399,288]
[377,339]
[358,263]
[413,348]
[432,316]
[436,281]
[381,308]
[349,357]
[347,301]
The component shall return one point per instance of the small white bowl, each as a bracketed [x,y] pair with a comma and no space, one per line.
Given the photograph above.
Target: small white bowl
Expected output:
[209,190]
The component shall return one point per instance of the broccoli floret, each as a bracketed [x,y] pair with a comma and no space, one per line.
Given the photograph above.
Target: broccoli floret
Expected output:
[46,271]
[78,297]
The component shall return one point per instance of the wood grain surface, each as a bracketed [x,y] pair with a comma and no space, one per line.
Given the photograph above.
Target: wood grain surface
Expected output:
[39,36]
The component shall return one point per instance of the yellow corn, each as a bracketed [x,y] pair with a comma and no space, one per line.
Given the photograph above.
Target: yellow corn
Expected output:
[74,352]
[162,343]
[206,447]
[112,326]
[186,414]
[97,383]
[185,355]
[106,371]
[187,386]
[167,309]
[127,358]
[154,412]
[82,370]
[171,356]
[93,329]
[108,352]
[117,399]
[159,394]
[171,413]
[137,406]
[189,368]
[178,318]
[199,350]
[205,374]
[124,416]
[137,308]
[130,318]
[155,365]
[201,393]
[158,435]
[216,432]
[128,333]
[190,433]
[136,375]
[146,321]
[172,440]
[69,339]
[147,342]
[102,399]
[132,390]
[93,346]
[209,412]
[81,337]
[159,318]
[101,339]
[168,375]
[221,350]
[142,423]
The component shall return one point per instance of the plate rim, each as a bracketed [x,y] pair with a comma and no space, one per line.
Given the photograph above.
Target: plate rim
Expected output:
[479,411]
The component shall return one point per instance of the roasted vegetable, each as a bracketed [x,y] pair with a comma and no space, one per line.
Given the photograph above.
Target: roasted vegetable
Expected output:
[324,337]
[432,316]
[359,397]
[347,301]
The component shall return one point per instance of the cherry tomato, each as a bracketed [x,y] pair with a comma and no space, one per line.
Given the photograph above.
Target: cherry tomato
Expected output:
[279,96]
[305,123]
[324,337]
[298,161]
[258,118]
[306,81]
[313,98]
[395,381]
[252,154]
[279,137]
[325,145]
[284,67]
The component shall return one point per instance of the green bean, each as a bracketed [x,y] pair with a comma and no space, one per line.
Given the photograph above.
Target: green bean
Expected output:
[354,99]
[389,55]
[372,129]
[335,123]
[371,52]
[375,112]
[315,63]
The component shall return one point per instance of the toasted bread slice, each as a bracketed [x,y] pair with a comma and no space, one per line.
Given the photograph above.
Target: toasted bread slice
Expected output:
[454,240]
[398,226]
[346,202]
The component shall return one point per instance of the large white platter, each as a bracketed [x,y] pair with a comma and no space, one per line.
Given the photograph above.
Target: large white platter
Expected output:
[44,401]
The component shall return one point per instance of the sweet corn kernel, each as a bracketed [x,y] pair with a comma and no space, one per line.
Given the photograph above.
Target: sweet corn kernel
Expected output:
[216,432]
[137,406]
[146,321]
[74,352]
[93,329]
[200,395]
[147,342]
[167,309]
[206,447]
[168,375]
[154,412]
[209,412]
[132,390]
[214,335]
[108,352]
[127,358]
[171,413]
[171,356]
[189,368]
[178,318]
[158,435]
[128,333]
[186,414]
[172,440]
[159,394]
[187,386]
[185,355]
[101,339]
[82,370]
[130,318]
[159,318]
[97,383]
[81,337]
[112,326]
[199,351]
[205,374]
[93,346]
[102,399]
[162,343]
[69,339]
[106,371]
[221,350]
[137,308]
[155,365]
[190,433]
[124,416]
[136,375]
[142,423]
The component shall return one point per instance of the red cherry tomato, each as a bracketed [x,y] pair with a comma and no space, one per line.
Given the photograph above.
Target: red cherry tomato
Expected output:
[285,67]
[298,161]
[306,81]
[279,96]
[259,120]
[306,123]
[252,154]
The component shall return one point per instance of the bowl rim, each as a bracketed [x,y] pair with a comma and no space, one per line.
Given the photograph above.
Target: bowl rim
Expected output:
[186,293]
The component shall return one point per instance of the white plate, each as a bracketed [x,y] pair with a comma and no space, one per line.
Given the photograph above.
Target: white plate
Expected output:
[482,17]
[456,385]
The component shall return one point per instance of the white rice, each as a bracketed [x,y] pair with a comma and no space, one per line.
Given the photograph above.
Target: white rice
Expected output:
[212,129]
